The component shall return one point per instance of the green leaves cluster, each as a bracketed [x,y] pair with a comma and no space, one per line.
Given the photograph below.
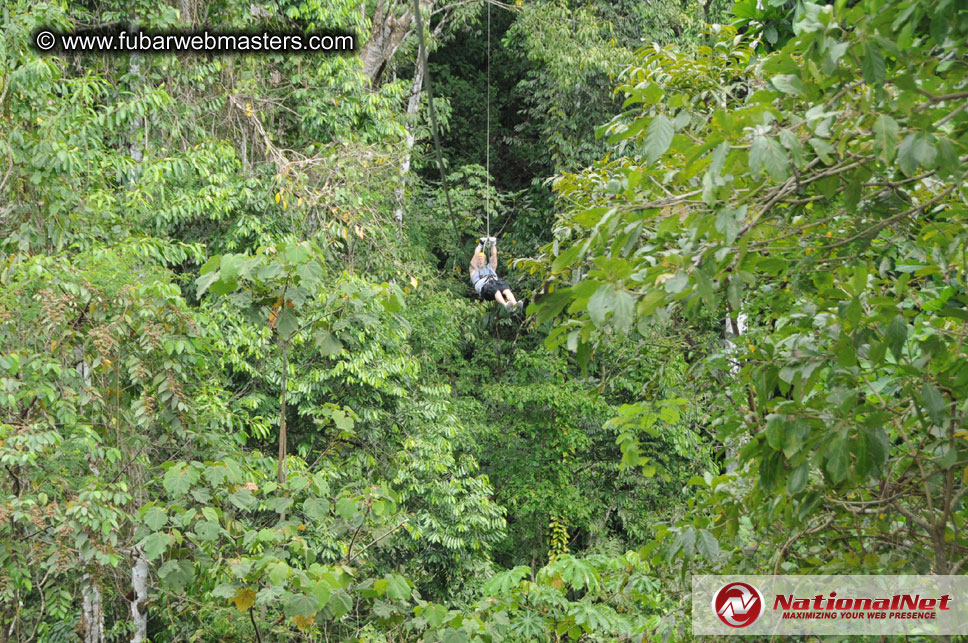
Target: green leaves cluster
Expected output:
[816,192]
[576,597]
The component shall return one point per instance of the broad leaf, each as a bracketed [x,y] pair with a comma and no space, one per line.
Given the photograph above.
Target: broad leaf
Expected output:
[658,137]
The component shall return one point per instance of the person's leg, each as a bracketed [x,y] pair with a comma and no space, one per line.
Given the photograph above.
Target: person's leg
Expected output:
[499,298]
[510,296]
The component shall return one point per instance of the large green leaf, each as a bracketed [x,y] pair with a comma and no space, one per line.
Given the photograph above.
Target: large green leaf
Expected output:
[707,545]
[287,323]
[601,303]
[916,151]
[896,335]
[771,467]
[398,588]
[300,605]
[155,518]
[502,583]
[278,572]
[885,138]
[658,137]
[934,403]
[878,447]
[156,544]
[340,603]
[175,575]
[729,221]
[788,84]
[177,480]
[530,626]
[579,574]
[837,460]
[207,530]
[767,154]
[296,253]
[623,312]
[873,64]
[435,615]
[316,509]
[798,479]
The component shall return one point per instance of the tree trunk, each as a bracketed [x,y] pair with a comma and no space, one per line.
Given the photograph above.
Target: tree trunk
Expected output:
[735,328]
[139,566]
[186,9]
[386,34]
[139,583]
[92,611]
[92,608]
[412,106]
[282,414]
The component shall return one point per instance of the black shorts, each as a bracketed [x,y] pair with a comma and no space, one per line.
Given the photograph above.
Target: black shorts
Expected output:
[492,286]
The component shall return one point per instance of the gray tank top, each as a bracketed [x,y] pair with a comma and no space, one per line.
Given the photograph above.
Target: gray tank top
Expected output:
[479,277]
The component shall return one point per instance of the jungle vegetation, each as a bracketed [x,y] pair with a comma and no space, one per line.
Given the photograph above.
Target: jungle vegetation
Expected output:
[247,392]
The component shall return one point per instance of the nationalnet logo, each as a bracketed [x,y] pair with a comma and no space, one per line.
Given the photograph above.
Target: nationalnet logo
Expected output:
[831,605]
[898,606]
[738,604]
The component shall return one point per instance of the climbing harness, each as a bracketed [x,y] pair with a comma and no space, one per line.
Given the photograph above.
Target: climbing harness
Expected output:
[488,276]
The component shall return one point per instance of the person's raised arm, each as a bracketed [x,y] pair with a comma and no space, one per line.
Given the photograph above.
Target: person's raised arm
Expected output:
[494,254]
[478,250]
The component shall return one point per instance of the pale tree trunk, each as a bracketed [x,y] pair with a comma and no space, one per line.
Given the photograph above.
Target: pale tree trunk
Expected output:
[186,9]
[412,105]
[92,610]
[92,607]
[139,567]
[139,564]
[735,328]
[139,583]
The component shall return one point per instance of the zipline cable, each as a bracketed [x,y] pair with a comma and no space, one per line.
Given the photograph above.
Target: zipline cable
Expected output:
[487,140]
[433,118]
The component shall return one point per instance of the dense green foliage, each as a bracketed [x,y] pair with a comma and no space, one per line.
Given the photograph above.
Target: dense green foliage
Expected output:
[818,192]
[240,400]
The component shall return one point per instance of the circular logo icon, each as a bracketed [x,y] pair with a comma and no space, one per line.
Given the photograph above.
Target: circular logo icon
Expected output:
[738,604]
[45,41]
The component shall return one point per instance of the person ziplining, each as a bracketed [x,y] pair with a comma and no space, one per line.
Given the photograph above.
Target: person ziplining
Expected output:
[484,277]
